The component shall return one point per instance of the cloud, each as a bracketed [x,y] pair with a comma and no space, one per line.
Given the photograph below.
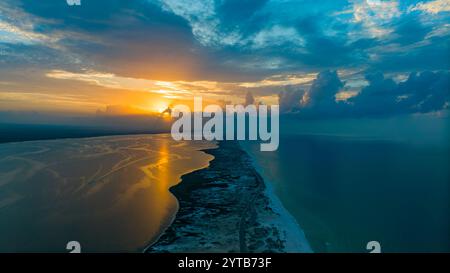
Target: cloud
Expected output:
[17,27]
[202,18]
[227,40]
[121,110]
[108,80]
[281,80]
[320,100]
[375,14]
[249,99]
[433,7]
[420,93]
[290,99]
[175,49]
[323,90]
[276,36]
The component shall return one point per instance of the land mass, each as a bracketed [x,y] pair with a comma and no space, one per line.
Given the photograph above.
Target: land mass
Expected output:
[29,132]
[226,208]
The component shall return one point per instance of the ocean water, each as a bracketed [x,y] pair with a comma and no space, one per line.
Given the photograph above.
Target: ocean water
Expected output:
[345,191]
[108,193]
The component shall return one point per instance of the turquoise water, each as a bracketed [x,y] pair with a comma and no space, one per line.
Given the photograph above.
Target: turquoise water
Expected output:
[345,191]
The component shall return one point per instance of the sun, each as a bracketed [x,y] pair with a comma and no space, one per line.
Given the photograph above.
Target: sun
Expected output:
[159,106]
[161,109]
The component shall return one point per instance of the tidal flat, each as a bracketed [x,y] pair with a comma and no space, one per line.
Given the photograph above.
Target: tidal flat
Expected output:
[108,193]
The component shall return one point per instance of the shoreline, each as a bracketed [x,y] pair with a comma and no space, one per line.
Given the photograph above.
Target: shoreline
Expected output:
[228,207]
[170,221]
[294,229]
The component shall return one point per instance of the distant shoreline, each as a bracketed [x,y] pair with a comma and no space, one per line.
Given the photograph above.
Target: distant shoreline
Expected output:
[10,133]
[225,208]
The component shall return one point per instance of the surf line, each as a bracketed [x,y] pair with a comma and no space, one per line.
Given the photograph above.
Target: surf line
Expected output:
[210,123]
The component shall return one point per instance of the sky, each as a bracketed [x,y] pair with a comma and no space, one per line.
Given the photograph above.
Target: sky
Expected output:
[316,59]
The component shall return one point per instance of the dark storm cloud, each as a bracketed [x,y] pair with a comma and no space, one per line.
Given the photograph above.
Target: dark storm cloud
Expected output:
[420,93]
[290,99]
[319,100]
[323,90]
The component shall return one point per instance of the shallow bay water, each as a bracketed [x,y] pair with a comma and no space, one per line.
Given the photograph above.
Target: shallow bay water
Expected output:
[108,193]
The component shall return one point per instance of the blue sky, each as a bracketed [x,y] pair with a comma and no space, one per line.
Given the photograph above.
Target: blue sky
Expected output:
[314,58]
